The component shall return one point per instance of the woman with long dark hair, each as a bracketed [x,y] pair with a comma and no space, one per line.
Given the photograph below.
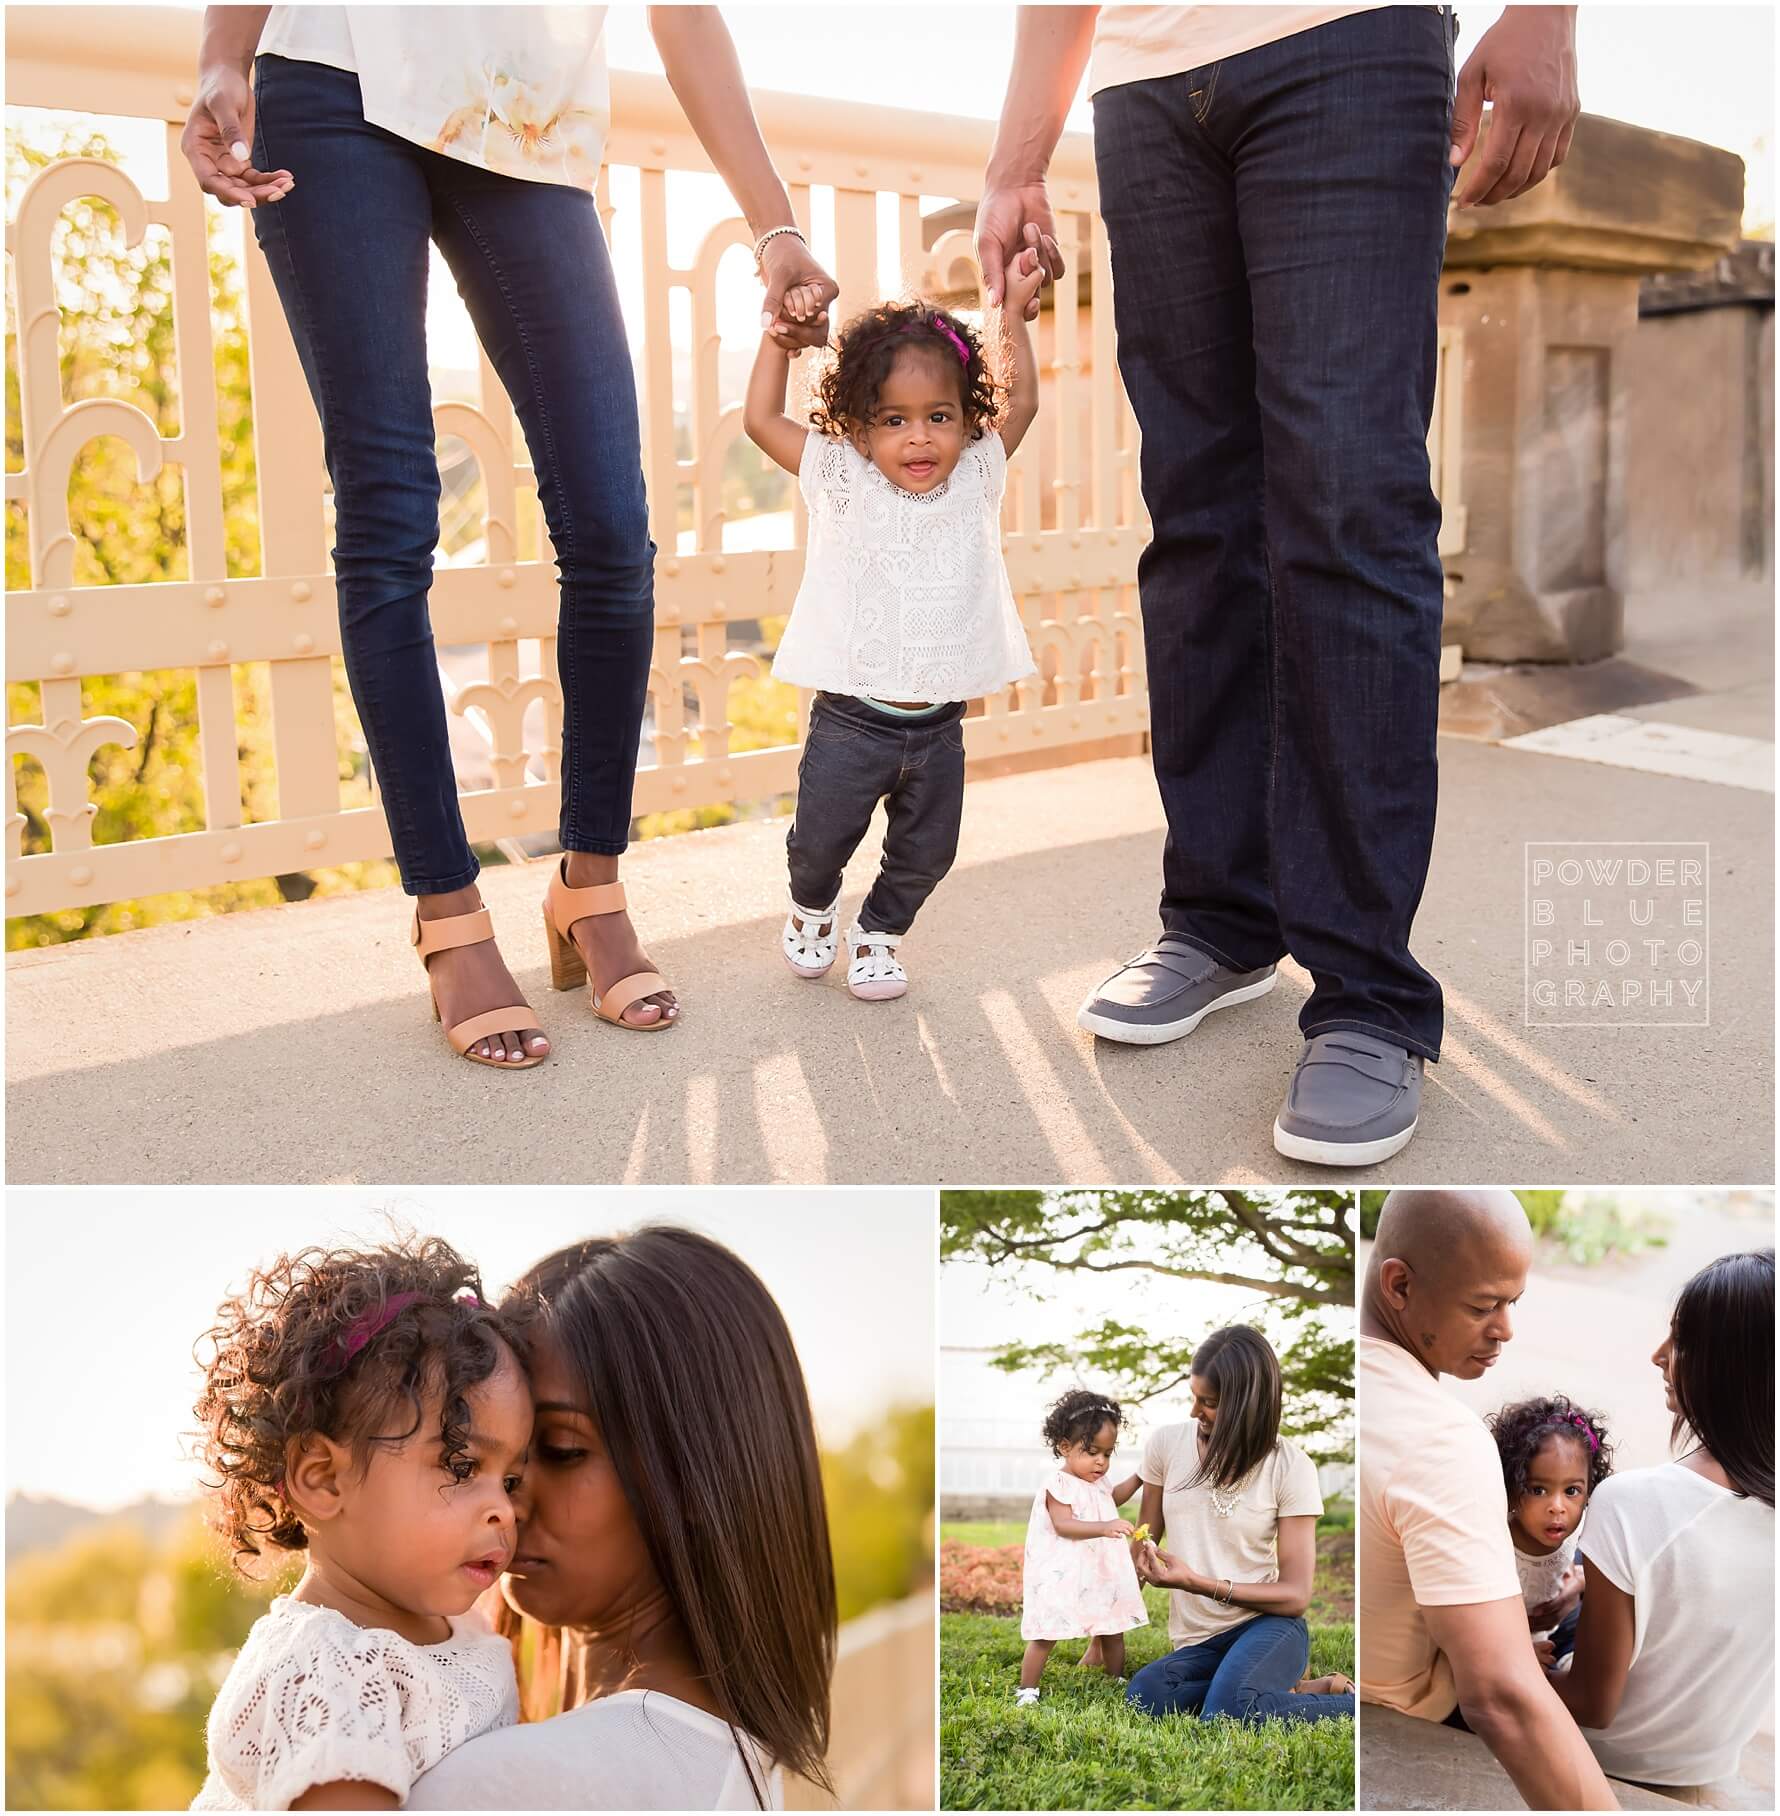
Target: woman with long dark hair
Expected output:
[673,1535]
[1674,1663]
[1240,1505]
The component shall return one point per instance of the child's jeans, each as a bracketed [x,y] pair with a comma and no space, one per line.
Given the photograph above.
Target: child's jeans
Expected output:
[854,757]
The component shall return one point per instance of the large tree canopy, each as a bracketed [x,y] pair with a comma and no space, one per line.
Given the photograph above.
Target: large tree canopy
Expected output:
[1293,1251]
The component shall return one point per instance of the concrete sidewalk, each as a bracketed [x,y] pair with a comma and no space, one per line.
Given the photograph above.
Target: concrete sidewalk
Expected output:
[295,1043]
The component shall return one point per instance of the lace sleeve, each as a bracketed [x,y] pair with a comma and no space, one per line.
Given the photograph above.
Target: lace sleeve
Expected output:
[322,1703]
[823,468]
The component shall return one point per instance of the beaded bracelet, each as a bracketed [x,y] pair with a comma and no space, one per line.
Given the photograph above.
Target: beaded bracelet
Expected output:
[773,233]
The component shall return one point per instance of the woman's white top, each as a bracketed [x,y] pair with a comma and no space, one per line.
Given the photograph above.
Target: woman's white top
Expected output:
[636,1750]
[1224,1532]
[904,596]
[520,90]
[313,1697]
[1698,1562]
[1542,1577]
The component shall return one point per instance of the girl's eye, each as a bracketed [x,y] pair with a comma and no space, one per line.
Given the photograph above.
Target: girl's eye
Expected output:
[511,1483]
[460,1469]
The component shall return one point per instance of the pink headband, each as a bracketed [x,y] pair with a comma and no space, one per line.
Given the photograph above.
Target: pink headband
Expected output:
[947,330]
[357,1335]
[1582,1426]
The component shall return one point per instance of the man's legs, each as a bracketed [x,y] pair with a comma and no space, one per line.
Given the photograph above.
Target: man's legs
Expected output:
[1338,139]
[1185,336]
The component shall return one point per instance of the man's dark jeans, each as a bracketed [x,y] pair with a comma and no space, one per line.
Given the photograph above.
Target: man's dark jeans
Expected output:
[1245,1672]
[347,249]
[1277,223]
[854,757]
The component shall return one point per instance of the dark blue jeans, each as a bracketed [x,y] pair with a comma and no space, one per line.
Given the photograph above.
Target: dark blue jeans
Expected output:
[1277,223]
[853,758]
[347,250]
[1245,1672]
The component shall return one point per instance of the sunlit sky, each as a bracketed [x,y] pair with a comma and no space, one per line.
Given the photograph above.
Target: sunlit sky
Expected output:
[107,1289]
[1704,72]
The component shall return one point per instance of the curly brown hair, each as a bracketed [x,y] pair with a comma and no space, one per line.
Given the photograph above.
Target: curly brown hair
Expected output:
[342,1343]
[847,392]
[1077,1416]
[1522,1429]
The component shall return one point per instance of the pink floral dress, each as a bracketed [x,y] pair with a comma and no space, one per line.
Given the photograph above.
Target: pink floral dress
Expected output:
[1074,1588]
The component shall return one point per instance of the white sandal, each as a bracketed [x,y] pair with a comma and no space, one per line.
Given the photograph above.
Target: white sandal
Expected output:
[811,954]
[874,973]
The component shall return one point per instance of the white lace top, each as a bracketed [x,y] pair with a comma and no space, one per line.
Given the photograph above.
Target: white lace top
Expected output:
[520,90]
[904,596]
[313,1697]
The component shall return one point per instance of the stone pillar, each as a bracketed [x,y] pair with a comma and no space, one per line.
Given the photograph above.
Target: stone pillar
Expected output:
[1545,292]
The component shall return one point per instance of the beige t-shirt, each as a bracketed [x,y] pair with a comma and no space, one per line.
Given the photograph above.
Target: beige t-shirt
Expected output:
[1242,1544]
[1433,1527]
[1134,43]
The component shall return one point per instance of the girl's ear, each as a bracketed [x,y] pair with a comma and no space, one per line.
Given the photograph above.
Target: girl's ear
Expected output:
[317,1474]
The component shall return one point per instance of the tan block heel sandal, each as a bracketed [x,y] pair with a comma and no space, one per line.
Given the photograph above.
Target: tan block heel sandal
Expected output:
[471,930]
[563,907]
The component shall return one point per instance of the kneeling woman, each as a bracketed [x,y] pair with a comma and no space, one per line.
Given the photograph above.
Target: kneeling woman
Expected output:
[1242,1503]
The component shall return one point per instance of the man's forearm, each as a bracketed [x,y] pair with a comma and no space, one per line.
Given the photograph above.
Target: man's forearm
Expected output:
[1540,1748]
[231,35]
[1051,45]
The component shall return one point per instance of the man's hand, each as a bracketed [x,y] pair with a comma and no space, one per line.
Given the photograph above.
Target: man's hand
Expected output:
[217,139]
[1525,67]
[1009,221]
[798,291]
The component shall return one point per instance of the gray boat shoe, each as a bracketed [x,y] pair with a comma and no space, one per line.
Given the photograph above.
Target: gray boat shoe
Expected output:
[1352,1102]
[1166,992]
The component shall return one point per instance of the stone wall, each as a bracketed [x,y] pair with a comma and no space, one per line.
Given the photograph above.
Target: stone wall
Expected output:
[1700,447]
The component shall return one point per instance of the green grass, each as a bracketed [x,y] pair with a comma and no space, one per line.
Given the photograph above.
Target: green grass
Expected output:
[1085,1748]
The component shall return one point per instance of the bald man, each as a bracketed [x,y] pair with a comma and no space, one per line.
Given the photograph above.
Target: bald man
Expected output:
[1442,1624]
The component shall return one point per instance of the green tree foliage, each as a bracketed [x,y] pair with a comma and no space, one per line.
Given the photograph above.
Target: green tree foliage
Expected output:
[1293,1251]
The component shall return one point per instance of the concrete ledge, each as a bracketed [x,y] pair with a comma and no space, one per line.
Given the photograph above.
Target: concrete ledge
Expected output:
[1420,1765]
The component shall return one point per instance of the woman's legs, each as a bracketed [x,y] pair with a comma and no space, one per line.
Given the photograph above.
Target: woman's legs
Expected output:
[1254,1680]
[347,249]
[533,269]
[1178,1683]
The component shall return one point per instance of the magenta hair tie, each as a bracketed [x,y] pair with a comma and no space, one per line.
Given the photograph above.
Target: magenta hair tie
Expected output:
[359,1333]
[1581,1425]
[955,338]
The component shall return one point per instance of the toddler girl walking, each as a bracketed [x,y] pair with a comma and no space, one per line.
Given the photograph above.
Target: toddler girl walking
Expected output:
[1554,1456]
[366,1409]
[1079,1580]
[904,613]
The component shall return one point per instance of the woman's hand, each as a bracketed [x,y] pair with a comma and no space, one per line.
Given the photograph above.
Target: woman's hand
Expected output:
[218,134]
[798,291]
[1162,1572]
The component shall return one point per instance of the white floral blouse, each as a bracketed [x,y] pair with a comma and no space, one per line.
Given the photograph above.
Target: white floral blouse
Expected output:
[520,90]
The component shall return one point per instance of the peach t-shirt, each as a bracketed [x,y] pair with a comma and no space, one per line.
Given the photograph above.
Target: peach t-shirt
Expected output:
[1134,43]
[1433,1520]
